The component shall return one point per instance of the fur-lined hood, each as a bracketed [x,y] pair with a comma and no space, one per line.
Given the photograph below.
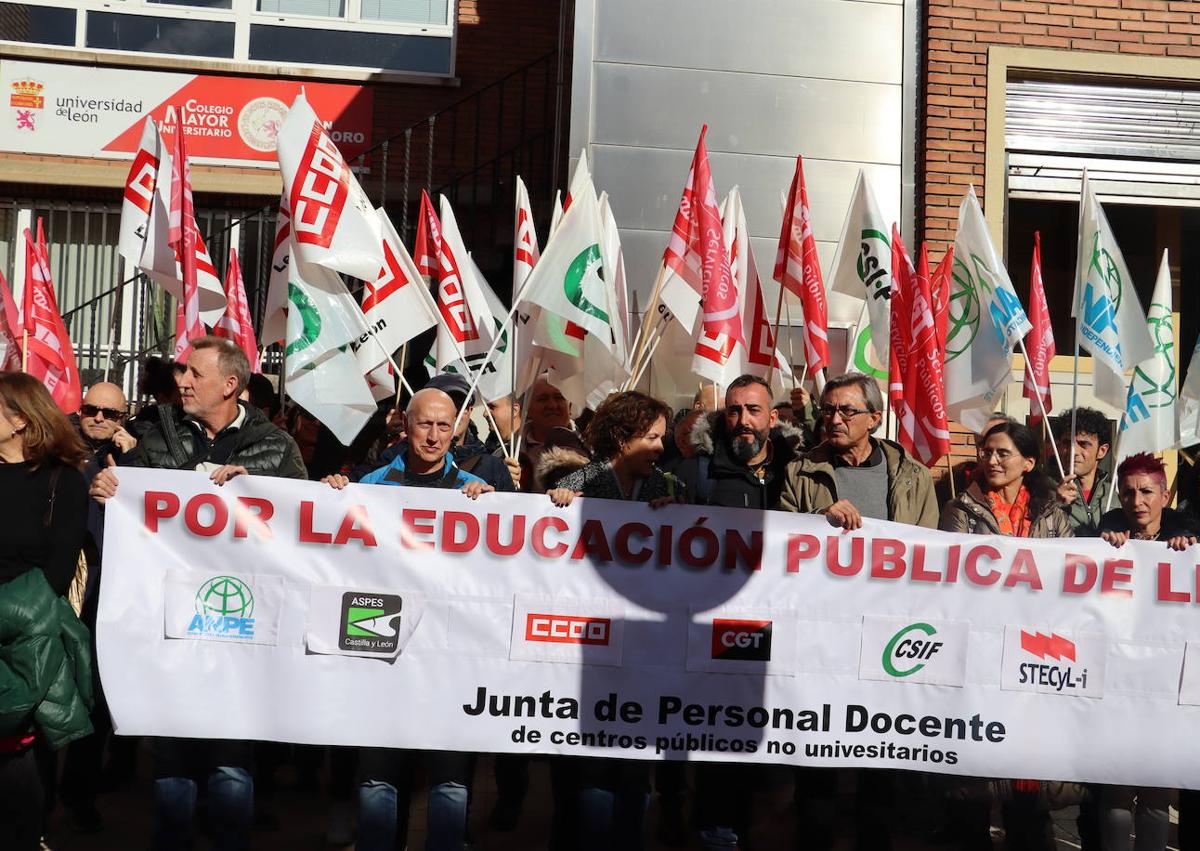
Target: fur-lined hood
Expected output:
[555,463]
[712,426]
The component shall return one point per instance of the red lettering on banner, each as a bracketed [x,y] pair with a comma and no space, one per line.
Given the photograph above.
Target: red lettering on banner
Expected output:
[887,558]
[1165,593]
[416,521]
[1116,571]
[1024,569]
[592,543]
[801,548]
[319,191]
[191,515]
[356,526]
[139,189]
[738,551]
[516,541]
[621,542]
[972,565]
[454,522]
[158,505]
[307,534]
[833,561]
[251,512]
[538,537]
[1073,583]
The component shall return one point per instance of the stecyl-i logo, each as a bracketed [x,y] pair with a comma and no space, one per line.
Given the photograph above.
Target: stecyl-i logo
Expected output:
[224,608]
[370,622]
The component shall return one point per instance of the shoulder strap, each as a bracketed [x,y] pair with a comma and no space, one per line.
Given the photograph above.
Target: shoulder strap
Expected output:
[469,465]
[179,455]
[703,483]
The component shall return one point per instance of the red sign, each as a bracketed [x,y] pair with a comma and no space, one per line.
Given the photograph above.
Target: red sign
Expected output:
[567,629]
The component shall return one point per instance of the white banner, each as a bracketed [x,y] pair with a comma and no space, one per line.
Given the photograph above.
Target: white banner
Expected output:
[398,617]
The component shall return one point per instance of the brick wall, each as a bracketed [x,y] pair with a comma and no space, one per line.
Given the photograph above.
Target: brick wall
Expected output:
[959,33]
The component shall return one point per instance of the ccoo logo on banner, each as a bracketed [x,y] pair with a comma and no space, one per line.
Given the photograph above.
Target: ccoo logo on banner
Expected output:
[566,629]
[222,607]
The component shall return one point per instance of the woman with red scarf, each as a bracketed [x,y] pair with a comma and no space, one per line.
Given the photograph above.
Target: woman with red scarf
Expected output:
[1009,496]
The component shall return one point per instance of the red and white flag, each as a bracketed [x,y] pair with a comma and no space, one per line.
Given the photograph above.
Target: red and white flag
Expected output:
[50,356]
[696,251]
[1039,344]
[274,328]
[917,381]
[939,293]
[138,199]
[10,329]
[236,324]
[333,223]
[184,236]
[798,268]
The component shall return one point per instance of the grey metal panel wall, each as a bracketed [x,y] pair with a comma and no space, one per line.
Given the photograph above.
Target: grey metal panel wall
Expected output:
[772,78]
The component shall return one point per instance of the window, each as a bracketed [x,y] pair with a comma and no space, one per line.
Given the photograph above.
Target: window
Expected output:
[407,36]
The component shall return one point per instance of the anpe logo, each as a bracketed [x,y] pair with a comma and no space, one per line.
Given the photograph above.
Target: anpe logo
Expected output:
[741,639]
[908,645]
[224,607]
[370,622]
[567,629]
[1053,645]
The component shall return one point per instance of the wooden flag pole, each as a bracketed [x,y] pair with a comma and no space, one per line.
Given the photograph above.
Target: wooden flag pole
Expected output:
[950,474]
[775,334]
[24,349]
[537,374]
[1042,404]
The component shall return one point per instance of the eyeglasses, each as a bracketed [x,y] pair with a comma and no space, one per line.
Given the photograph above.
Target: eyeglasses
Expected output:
[109,413]
[1001,455]
[845,411]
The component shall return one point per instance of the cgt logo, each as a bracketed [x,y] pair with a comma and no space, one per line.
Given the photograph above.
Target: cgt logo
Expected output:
[908,645]
[741,640]
[568,629]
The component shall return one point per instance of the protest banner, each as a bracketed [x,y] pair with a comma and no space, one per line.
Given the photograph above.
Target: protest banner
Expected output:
[413,618]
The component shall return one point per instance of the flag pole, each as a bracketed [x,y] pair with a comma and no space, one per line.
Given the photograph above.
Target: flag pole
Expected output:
[654,348]
[24,348]
[1042,404]
[950,475]
[537,373]
[775,331]
[1075,313]
[400,373]
[1116,461]
[649,316]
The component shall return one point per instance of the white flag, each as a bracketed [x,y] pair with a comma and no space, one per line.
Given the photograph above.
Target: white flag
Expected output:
[614,261]
[862,267]
[139,196]
[468,326]
[1150,423]
[1109,322]
[275,315]
[333,223]
[986,321]
[1189,402]
[396,306]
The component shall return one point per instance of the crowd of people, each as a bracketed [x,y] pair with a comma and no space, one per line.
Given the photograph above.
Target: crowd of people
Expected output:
[820,455]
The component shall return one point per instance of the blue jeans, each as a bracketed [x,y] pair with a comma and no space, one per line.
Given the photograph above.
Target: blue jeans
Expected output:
[383,799]
[231,810]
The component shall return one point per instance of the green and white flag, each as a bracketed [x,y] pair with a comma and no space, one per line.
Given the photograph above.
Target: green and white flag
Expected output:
[862,268]
[1189,402]
[1150,423]
[1109,322]
[569,278]
[323,376]
[986,321]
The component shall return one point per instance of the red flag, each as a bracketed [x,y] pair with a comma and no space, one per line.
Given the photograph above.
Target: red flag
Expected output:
[925,383]
[798,268]
[50,356]
[939,290]
[429,235]
[901,312]
[10,329]
[236,323]
[1039,344]
[696,251]
[184,236]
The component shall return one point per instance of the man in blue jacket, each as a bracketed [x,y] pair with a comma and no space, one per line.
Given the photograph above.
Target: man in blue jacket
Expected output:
[424,461]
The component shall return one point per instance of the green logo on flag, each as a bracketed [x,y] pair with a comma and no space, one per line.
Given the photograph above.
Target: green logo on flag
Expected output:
[1103,264]
[870,267]
[862,361]
[585,264]
[225,596]
[963,312]
[1156,394]
[310,319]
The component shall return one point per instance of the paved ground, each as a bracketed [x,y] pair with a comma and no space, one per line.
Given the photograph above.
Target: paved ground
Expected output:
[299,817]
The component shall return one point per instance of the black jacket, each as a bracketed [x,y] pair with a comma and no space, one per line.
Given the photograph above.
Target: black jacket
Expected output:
[714,477]
[172,443]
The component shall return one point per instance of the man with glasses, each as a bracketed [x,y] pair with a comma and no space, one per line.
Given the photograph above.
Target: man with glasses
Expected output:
[848,476]
[102,422]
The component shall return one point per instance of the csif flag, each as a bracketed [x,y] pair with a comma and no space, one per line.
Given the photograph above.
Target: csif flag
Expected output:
[862,268]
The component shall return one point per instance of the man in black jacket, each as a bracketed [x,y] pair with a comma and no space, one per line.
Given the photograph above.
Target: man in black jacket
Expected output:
[211,431]
[742,451]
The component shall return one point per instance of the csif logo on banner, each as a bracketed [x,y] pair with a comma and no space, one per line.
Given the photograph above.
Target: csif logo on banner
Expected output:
[225,608]
[1050,662]
[911,650]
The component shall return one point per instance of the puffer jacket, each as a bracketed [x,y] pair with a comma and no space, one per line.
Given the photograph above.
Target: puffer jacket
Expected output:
[261,447]
[971,513]
[810,488]
[45,664]
[714,477]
